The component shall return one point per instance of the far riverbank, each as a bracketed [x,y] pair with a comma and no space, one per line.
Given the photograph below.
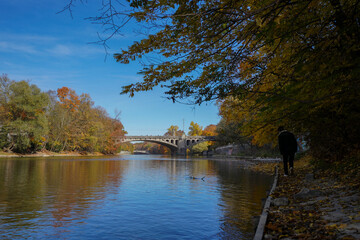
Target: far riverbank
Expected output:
[248,158]
[46,153]
[51,154]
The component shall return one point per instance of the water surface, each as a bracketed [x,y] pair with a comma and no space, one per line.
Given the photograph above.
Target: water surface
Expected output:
[128,197]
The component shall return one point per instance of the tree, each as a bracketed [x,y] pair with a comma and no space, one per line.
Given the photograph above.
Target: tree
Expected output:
[59,119]
[293,63]
[200,147]
[230,132]
[68,98]
[173,130]
[195,129]
[31,120]
[5,83]
[114,128]
[77,125]
[27,125]
[209,130]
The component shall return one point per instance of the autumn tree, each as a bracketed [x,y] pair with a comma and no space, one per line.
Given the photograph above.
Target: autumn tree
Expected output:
[292,63]
[5,83]
[152,148]
[63,118]
[68,98]
[209,130]
[59,119]
[173,130]
[230,132]
[31,120]
[195,129]
[78,125]
[25,123]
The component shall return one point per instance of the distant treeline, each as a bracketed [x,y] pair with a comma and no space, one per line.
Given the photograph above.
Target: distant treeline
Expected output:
[32,120]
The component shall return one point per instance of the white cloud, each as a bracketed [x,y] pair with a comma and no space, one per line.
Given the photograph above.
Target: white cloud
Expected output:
[48,45]
[6,46]
[61,50]
[27,37]
[127,78]
[76,50]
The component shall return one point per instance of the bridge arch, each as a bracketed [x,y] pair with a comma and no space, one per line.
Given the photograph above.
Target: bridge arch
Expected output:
[173,147]
[175,143]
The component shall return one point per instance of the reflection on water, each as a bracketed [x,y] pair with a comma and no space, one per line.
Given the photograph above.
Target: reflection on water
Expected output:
[128,197]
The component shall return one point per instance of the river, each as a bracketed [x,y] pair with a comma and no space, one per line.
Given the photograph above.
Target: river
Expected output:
[129,197]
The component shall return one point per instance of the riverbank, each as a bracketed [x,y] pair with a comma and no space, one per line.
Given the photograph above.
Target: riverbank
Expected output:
[313,203]
[50,154]
[259,164]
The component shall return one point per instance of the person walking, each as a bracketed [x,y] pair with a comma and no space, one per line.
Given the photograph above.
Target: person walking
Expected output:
[288,148]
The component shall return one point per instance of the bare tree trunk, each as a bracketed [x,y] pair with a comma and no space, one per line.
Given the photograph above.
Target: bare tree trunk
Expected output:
[64,145]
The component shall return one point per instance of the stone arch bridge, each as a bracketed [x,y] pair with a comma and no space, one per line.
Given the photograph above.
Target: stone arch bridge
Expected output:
[176,144]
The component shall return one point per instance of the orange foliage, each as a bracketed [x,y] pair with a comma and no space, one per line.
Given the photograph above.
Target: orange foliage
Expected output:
[68,98]
[210,130]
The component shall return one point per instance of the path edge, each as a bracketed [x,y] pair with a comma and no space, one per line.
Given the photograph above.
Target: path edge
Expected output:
[262,221]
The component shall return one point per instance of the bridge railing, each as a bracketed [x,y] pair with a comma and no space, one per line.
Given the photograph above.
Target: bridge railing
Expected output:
[189,140]
[152,137]
[172,137]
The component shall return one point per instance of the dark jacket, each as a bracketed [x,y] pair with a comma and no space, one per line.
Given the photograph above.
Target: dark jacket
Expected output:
[287,143]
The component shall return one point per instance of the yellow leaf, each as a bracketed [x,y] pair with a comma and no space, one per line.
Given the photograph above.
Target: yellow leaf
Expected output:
[342,226]
[331,226]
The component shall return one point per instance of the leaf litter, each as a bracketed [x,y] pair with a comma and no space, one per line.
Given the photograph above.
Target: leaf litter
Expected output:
[329,210]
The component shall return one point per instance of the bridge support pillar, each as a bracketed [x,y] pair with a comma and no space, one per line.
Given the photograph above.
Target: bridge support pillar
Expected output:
[173,152]
[182,146]
[182,151]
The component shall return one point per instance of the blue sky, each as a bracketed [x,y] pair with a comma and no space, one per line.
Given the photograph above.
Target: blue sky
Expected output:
[52,50]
